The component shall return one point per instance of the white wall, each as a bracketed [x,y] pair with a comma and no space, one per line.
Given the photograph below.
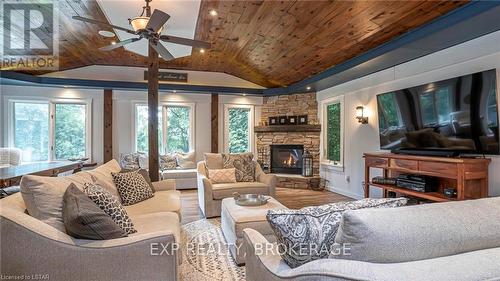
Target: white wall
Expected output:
[473,56]
[123,114]
[47,93]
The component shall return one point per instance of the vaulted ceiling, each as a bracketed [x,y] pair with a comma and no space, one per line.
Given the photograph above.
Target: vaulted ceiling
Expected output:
[270,43]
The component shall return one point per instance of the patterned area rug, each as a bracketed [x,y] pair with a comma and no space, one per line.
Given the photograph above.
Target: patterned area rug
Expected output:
[205,255]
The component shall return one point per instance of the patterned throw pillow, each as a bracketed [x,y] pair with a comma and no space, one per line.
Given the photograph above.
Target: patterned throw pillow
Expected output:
[243,163]
[168,162]
[222,175]
[132,187]
[110,205]
[309,233]
[130,161]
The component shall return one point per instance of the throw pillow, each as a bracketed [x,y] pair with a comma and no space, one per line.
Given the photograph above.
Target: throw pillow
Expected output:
[213,160]
[222,175]
[83,219]
[145,174]
[130,161]
[186,160]
[243,163]
[309,233]
[132,187]
[168,162]
[110,205]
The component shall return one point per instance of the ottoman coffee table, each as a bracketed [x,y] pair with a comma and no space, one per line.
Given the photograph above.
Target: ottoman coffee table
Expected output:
[235,218]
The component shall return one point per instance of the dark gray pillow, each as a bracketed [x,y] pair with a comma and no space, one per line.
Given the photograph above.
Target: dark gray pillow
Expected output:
[309,233]
[85,220]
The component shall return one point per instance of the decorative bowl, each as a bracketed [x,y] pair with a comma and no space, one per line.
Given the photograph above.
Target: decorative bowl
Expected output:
[250,199]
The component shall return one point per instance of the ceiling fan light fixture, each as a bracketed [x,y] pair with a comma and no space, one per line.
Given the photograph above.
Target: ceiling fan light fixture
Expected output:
[139,23]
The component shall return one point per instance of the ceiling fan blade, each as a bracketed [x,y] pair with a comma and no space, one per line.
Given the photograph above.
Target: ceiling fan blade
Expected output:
[157,20]
[162,51]
[185,41]
[103,23]
[119,44]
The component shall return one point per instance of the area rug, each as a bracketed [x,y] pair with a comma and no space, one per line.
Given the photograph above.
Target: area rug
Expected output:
[205,255]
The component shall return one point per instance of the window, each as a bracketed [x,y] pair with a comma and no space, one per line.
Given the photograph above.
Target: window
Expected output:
[238,124]
[492,108]
[333,139]
[389,115]
[435,106]
[50,130]
[175,128]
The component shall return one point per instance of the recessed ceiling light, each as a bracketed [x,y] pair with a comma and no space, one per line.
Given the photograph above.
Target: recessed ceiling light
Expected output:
[113,43]
[213,13]
[308,88]
[202,51]
[244,94]
[105,33]
[174,91]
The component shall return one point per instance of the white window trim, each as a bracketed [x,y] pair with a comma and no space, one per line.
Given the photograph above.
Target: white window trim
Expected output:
[250,125]
[192,123]
[51,103]
[325,163]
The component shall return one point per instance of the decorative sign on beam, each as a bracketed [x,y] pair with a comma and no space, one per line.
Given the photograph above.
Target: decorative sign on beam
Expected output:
[169,76]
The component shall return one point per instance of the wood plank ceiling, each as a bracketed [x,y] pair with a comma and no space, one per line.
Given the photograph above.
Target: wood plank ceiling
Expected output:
[270,43]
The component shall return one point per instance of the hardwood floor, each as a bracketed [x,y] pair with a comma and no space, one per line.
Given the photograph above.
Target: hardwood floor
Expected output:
[292,198]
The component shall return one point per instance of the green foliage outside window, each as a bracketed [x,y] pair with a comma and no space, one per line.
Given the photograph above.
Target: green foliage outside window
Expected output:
[333,116]
[70,134]
[178,129]
[239,138]
[141,123]
[31,130]
[435,107]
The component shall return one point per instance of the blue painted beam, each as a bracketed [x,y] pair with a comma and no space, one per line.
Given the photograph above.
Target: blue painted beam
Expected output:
[16,78]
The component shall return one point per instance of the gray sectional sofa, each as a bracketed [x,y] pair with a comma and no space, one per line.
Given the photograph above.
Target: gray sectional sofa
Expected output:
[442,241]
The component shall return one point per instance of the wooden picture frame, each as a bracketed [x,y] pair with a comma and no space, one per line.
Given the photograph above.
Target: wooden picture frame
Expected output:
[302,120]
[273,121]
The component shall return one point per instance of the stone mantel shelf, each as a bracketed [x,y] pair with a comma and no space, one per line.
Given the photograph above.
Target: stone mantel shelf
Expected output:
[288,128]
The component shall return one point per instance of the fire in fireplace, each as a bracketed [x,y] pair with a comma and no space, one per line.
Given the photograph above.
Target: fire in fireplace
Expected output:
[286,158]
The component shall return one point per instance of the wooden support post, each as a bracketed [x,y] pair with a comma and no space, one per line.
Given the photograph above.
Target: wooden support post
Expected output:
[215,123]
[153,113]
[108,125]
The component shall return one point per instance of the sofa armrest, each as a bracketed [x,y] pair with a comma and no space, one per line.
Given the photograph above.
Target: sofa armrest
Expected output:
[268,179]
[164,185]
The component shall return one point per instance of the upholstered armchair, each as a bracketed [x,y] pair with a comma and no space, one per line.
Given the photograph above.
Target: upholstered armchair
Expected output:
[210,195]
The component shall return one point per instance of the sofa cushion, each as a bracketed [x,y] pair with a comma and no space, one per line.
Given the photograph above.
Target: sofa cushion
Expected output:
[130,161]
[179,174]
[83,219]
[308,234]
[222,175]
[163,201]
[224,190]
[43,196]
[157,222]
[132,187]
[103,177]
[420,232]
[110,205]
[213,160]
[243,163]
[186,160]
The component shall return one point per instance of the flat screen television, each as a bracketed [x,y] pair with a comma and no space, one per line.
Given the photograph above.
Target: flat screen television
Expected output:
[454,116]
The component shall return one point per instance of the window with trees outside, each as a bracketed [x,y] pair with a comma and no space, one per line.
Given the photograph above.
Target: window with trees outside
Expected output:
[46,130]
[389,114]
[238,132]
[435,106]
[333,140]
[175,128]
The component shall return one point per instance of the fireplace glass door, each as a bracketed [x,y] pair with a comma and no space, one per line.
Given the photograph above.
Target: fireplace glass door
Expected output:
[286,159]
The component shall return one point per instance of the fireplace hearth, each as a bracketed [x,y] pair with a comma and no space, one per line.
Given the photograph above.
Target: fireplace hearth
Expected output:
[286,158]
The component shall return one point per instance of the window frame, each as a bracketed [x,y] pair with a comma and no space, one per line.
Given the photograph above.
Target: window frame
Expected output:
[51,102]
[324,162]
[251,124]
[164,105]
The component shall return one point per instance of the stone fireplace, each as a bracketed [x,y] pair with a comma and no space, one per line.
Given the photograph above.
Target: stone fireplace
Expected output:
[279,137]
[286,158]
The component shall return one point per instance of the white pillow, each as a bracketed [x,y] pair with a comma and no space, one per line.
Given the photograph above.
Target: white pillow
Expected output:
[186,160]
[222,175]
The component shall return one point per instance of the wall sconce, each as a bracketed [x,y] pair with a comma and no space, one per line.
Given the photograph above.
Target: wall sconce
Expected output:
[360,115]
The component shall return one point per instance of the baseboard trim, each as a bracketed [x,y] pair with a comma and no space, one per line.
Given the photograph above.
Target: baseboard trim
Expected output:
[345,193]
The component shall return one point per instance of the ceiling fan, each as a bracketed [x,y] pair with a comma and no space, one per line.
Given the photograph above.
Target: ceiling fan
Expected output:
[149,27]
